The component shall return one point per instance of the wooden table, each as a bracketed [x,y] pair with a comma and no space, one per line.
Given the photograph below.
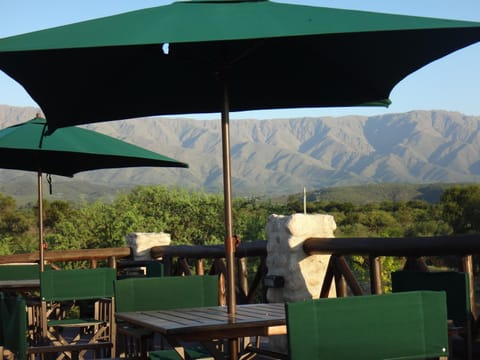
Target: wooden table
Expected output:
[206,324]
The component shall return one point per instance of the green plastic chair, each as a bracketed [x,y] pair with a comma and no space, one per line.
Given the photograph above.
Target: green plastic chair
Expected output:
[409,325]
[162,293]
[154,269]
[455,285]
[96,285]
[14,333]
[2,304]
[21,272]
[13,325]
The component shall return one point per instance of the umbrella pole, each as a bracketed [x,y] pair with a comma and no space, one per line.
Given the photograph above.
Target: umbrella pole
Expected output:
[40,220]
[229,242]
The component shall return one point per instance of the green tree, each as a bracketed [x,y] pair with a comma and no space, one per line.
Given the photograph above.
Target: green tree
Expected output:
[17,227]
[461,208]
[55,211]
[251,216]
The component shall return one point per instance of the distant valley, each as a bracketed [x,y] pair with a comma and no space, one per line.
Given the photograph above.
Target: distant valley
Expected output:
[281,156]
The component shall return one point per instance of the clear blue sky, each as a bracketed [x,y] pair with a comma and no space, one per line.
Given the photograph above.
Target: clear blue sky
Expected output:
[452,83]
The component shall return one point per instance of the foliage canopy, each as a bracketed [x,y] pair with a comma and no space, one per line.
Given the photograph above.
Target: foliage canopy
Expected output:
[196,218]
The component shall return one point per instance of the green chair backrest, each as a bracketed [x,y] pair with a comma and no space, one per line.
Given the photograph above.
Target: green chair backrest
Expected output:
[409,325]
[454,283]
[21,272]
[154,269]
[78,284]
[13,324]
[2,306]
[170,292]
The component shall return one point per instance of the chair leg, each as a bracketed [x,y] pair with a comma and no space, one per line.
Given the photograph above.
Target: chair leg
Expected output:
[468,340]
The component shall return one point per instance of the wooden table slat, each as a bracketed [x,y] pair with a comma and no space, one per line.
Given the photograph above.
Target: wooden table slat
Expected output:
[185,321]
[208,324]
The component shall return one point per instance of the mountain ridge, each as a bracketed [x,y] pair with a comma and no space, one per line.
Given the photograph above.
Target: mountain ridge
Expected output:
[281,156]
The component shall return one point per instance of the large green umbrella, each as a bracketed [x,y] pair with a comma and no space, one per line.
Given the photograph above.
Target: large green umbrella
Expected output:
[221,56]
[175,59]
[67,151]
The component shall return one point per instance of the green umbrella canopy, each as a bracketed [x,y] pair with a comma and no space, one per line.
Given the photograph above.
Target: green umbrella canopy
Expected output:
[28,146]
[271,55]
[70,150]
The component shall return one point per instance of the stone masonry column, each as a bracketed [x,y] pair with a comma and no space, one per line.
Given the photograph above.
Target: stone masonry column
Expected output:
[303,274]
[141,243]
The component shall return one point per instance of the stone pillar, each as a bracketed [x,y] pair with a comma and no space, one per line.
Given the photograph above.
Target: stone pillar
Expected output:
[141,243]
[303,274]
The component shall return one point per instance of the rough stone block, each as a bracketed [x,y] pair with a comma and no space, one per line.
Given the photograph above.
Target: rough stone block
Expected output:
[285,257]
[141,243]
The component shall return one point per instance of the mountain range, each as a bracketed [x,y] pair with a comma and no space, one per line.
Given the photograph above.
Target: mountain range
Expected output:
[280,156]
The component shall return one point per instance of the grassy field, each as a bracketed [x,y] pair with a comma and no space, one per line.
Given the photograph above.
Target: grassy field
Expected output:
[363,194]
[24,191]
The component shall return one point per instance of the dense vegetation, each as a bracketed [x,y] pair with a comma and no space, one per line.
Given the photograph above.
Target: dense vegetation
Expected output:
[197,218]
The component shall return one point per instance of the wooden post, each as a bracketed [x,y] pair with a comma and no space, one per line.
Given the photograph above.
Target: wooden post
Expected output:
[259,276]
[185,268]
[112,262]
[375,275]
[340,283]
[167,265]
[199,269]
[242,273]
[222,291]
[467,266]
[348,276]
[328,279]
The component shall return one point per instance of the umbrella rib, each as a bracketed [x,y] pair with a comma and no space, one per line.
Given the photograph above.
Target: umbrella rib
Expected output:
[44,132]
[248,51]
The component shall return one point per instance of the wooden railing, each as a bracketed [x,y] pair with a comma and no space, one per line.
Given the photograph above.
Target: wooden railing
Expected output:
[92,256]
[414,249]
[187,260]
[178,260]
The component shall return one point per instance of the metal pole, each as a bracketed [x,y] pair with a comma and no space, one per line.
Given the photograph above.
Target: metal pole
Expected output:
[304,201]
[229,241]
[40,220]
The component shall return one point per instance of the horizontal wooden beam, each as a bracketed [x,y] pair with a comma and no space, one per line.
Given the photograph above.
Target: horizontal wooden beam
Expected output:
[247,249]
[68,255]
[43,349]
[414,246]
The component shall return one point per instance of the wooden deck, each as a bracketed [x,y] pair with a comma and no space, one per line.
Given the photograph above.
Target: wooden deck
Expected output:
[461,246]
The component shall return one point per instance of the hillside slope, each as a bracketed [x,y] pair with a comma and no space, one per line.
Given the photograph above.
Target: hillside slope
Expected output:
[281,156]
